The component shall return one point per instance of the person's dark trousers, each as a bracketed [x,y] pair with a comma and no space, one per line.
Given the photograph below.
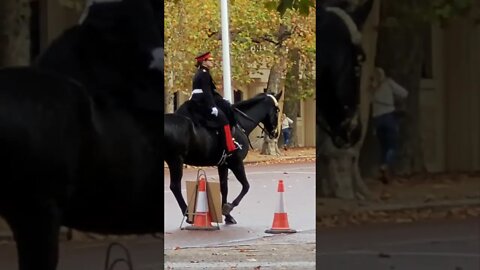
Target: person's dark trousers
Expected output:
[387,132]
[286,136]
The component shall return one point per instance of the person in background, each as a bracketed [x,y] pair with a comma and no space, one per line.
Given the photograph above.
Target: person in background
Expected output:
[286,130]
[386,91]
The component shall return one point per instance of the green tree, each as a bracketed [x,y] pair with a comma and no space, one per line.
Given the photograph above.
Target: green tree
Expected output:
[192,27]
[302,6]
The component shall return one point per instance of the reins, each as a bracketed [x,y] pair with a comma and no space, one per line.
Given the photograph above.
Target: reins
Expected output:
[253,121]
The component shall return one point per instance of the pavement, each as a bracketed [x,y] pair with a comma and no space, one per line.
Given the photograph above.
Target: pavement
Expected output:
[284,156]
[406,200]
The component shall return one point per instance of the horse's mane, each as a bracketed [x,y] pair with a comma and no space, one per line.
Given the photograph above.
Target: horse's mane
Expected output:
[246,104]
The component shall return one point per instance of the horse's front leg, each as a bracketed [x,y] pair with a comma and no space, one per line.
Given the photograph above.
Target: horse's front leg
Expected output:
[176,174]
[36,228]
[236,166]
[226,207]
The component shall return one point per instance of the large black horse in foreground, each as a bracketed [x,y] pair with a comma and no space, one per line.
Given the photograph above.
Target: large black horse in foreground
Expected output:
[192,144]
[75,150]
[339,59]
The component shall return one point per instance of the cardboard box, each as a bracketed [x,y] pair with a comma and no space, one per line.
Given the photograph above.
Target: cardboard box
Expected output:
[213,196]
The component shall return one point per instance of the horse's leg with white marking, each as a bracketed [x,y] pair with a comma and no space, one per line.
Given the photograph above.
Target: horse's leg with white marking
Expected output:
[223,175]
[36,229]
[176,173]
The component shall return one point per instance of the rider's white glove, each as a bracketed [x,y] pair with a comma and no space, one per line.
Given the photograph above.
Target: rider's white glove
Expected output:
[215,111]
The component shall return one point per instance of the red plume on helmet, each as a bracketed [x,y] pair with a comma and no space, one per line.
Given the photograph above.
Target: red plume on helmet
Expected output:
[204,56]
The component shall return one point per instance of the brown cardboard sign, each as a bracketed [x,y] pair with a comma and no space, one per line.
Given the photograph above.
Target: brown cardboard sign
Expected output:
[213,196]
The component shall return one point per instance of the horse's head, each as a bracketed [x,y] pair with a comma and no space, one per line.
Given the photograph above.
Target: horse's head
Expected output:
[157,53]
[263,108]
[271,119]
[141,31]
[340,56]
[116,50]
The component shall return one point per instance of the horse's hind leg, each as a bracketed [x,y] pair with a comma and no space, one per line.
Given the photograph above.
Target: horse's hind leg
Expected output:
[36,228]
[226,208]
[176,174]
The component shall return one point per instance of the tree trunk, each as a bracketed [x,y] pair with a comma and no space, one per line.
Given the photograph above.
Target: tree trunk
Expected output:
[400,54]
[14,32]
[276,80]
[168,95]
[270,146]
[338,170]
[291,105]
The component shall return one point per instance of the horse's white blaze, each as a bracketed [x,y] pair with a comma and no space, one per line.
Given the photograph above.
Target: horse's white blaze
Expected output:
[274,99]
[355,35]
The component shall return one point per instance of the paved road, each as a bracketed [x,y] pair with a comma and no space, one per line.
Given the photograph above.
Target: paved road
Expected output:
[446,245]
[441,245]
[255,213]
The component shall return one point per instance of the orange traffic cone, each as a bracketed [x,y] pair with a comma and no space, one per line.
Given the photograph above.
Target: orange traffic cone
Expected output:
[280,218]
[202,219]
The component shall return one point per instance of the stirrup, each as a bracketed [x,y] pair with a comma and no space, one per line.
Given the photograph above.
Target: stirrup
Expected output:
[223,158]
[237,144]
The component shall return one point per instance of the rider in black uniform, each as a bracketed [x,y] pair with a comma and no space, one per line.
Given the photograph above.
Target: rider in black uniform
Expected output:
[205,95]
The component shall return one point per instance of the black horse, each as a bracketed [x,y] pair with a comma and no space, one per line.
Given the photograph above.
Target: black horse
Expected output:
[76,154]
[188,143]
[339,57]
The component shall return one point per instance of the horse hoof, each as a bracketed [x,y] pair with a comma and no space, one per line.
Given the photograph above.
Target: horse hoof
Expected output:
[227,208]
[229,220]
[188,221]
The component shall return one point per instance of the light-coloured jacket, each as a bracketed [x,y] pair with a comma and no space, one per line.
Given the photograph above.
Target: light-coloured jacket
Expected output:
[384,97]
[286,123]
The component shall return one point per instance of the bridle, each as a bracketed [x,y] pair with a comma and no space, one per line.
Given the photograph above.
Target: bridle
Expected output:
[264,130]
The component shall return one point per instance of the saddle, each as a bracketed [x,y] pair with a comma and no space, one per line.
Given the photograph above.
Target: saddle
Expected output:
[199,115]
